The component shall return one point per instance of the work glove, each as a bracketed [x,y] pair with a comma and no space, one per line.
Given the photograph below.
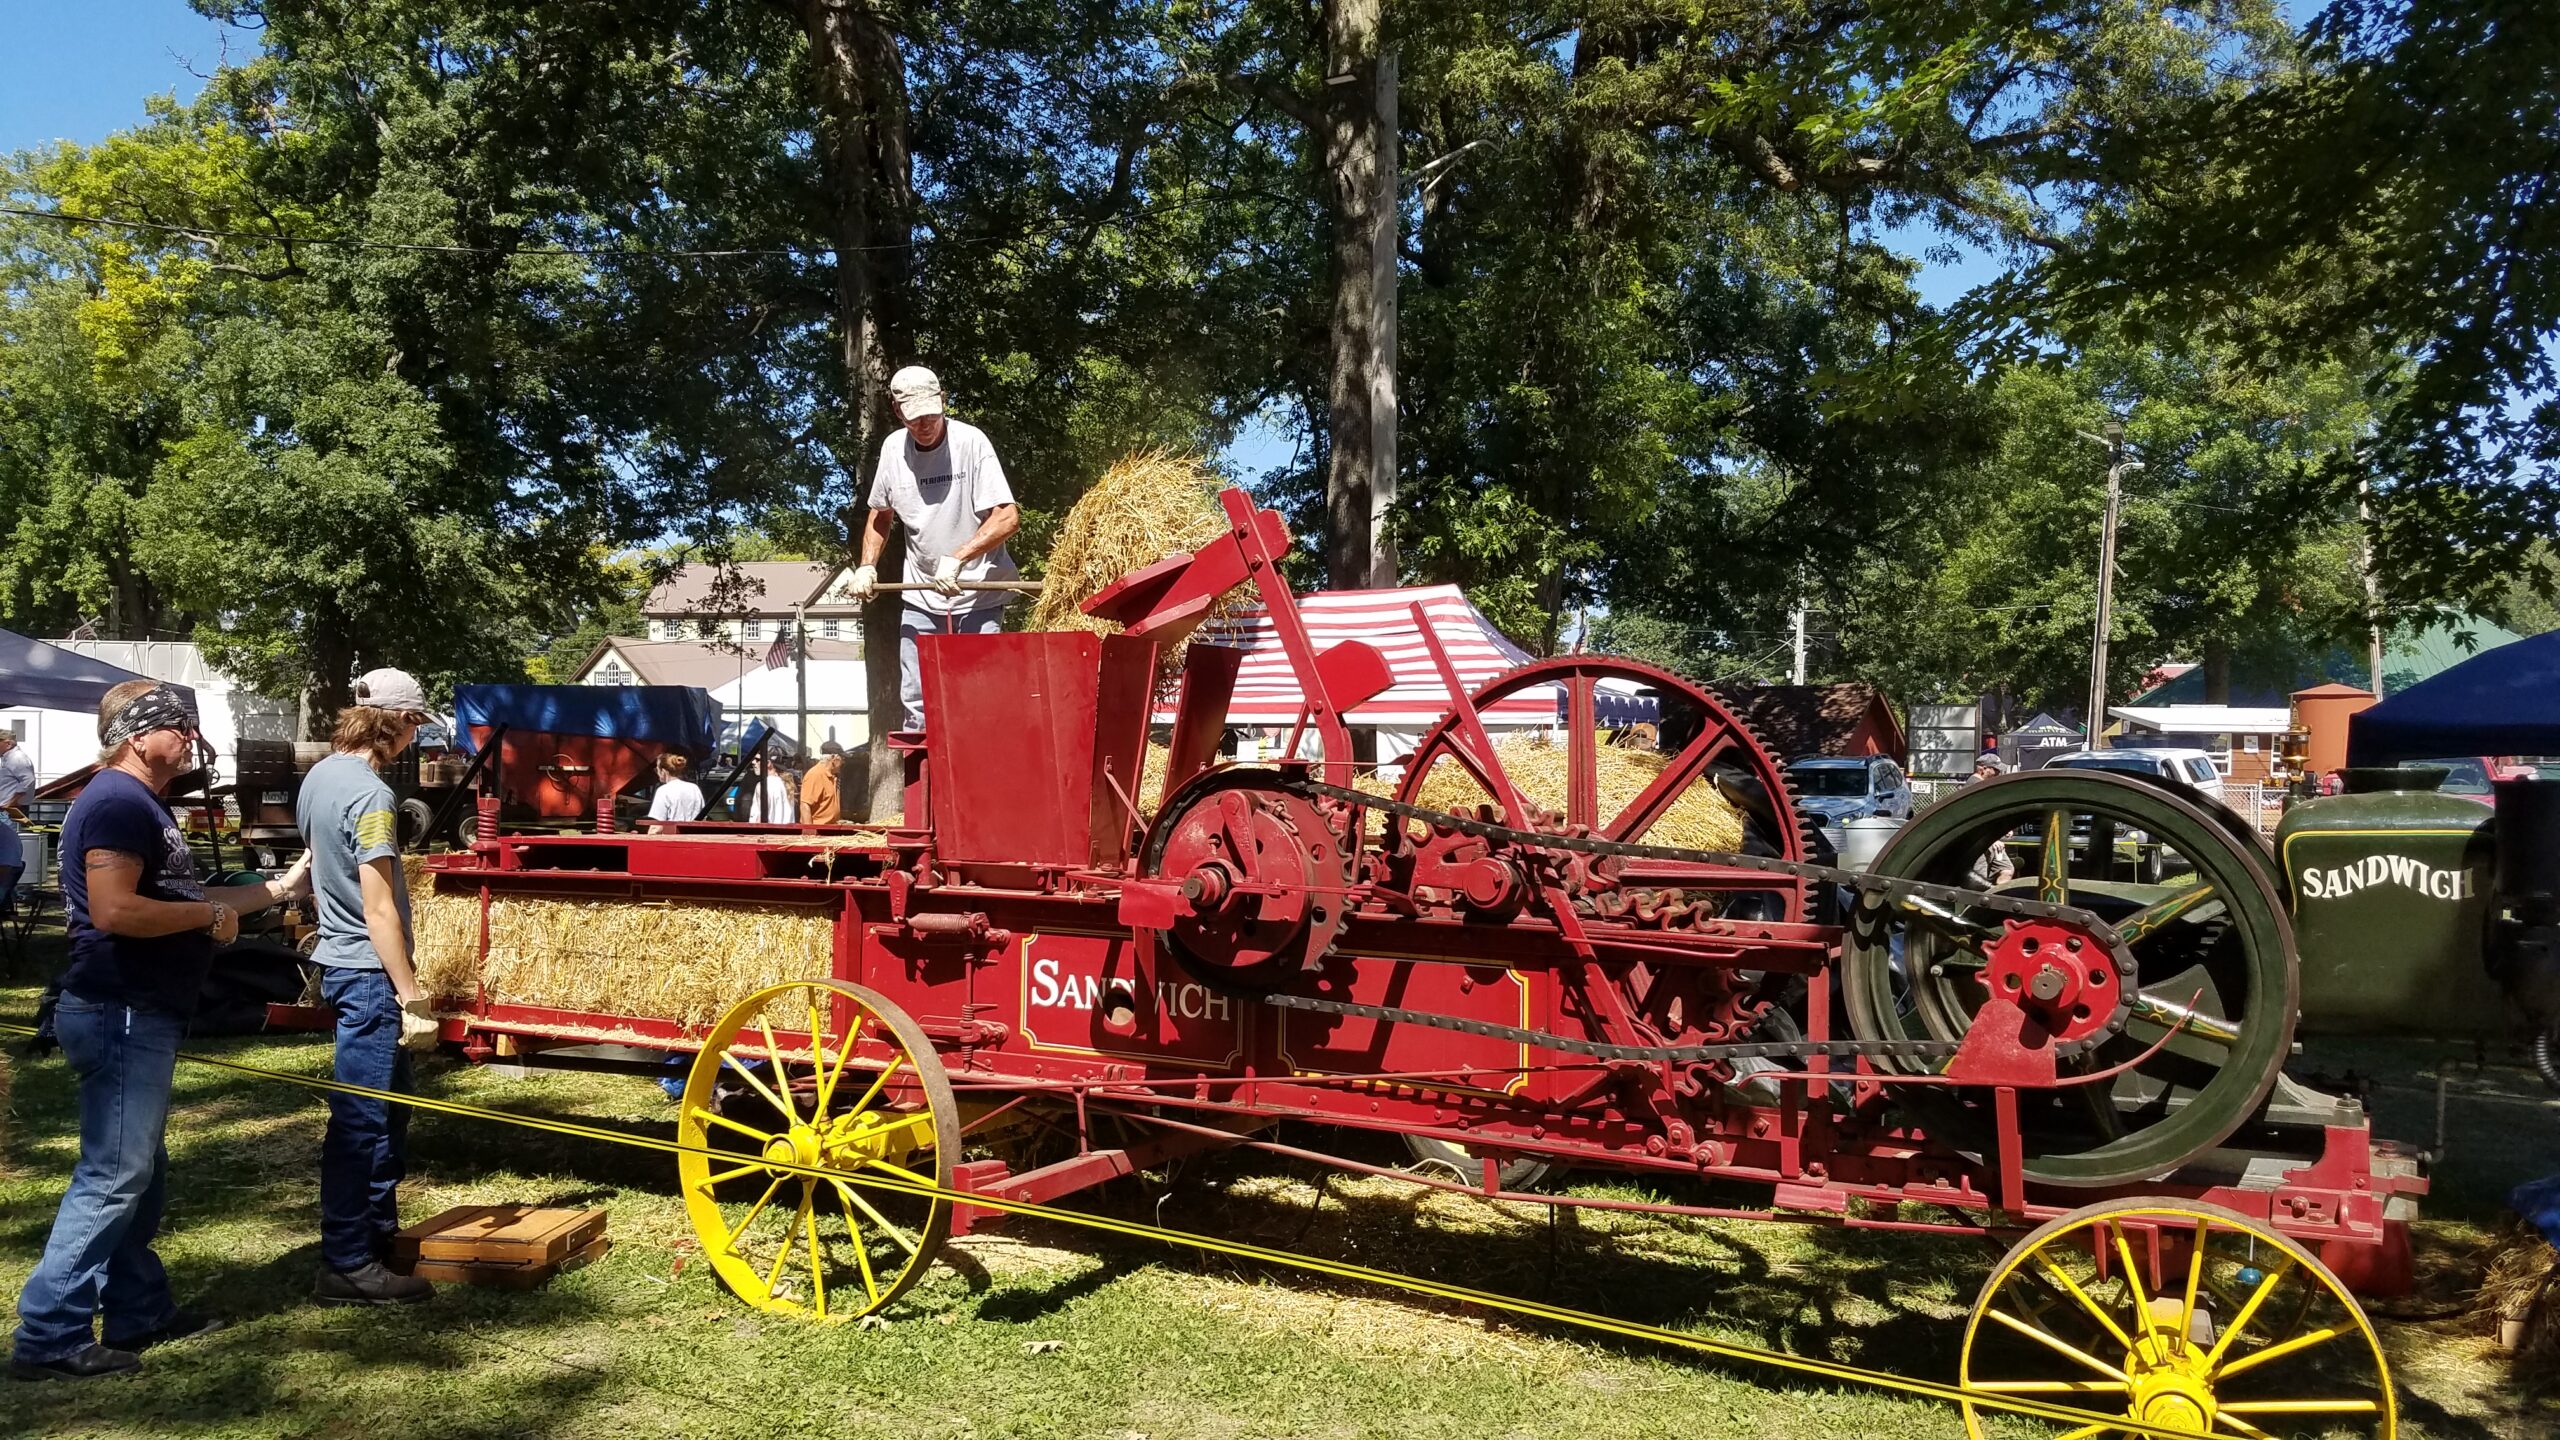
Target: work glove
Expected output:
[418,1027]
[866,581]
[946,575]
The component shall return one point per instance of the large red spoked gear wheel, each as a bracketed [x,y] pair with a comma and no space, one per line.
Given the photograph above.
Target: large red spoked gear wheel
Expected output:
[1703,742]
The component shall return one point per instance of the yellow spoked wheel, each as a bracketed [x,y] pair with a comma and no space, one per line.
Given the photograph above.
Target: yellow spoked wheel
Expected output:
[824,1074]
[2181,1315]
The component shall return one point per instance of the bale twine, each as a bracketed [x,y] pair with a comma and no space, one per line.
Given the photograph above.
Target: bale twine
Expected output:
[1700,819]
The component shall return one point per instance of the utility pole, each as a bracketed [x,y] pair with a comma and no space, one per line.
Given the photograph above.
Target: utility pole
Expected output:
[2117,468]
[1799,669]
[2372,586]
[800,667]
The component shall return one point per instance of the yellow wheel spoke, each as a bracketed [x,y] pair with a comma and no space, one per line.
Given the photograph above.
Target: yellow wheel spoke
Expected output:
[2053,866]
[781,1077]
[2072,1288]
[2251,1432]
[713,1182]
[817,1253]
[817,1060]
[2061,1346]
[2132,1275]
[903,1173]
[2092,1432]
[790,1234]
[905,1240]
[2195,1277]
[2050,1387]
[730,1244]
[761,1088]
[2302,1407]
[878,1082]
[2276,1352]
[861,1251]
[2248,1308]
[835,1073]
[711,1117]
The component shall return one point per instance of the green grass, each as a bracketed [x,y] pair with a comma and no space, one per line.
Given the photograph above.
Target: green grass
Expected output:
[1155,1342]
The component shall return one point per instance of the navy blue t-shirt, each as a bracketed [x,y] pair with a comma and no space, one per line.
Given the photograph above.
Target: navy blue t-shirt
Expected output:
[164,972]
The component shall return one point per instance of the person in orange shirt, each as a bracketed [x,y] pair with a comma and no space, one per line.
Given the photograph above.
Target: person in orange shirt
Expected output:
[818,802]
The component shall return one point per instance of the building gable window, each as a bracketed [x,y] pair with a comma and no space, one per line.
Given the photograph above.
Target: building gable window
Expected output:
[611,672]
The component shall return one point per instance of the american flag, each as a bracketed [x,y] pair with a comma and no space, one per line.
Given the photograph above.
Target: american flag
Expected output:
[780,654]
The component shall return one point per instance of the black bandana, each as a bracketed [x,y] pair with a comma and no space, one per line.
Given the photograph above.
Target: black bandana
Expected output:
[163,708]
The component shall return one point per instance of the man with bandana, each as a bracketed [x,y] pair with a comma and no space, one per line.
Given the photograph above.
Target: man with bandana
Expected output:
[143,929]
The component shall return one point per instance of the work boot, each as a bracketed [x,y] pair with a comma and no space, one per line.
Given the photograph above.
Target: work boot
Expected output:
[183,1325]
[87,1364]
[371,1283]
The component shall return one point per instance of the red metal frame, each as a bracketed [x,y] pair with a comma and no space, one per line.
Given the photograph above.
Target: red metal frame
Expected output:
[1006,924]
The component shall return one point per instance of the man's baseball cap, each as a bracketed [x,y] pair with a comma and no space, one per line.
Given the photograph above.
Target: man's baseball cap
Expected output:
[388,689]
[915,391]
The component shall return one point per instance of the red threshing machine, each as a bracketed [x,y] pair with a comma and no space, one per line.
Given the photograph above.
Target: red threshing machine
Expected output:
[1033,989]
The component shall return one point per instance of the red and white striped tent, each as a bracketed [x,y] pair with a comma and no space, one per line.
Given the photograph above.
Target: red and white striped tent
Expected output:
[1267,694]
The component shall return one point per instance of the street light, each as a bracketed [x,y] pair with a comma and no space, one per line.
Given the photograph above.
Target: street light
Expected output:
[2117,468]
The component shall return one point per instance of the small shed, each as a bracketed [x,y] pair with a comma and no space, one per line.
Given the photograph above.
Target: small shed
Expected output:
[1850,718]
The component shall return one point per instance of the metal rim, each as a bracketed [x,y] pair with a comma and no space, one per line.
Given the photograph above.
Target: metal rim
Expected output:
[1723,739]
[2223,934]
[859,1247]
[2232,1325]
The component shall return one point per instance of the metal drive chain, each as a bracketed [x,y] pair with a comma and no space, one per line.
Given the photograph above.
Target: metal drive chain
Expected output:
[1882,886]
[1745,1050]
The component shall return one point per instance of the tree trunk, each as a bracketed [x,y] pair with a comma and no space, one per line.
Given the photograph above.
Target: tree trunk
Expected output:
[2217,671]
[862,150]
[1357,137]
[332,686]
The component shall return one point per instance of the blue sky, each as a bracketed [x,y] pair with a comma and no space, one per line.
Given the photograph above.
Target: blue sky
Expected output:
[79,70]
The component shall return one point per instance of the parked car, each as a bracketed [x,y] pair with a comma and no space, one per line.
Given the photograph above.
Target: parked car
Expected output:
[2468,776]
[2193,769]
[1833,788]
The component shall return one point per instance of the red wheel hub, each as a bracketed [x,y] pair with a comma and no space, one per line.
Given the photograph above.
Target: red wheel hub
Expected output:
[2058,973]
[1264,875]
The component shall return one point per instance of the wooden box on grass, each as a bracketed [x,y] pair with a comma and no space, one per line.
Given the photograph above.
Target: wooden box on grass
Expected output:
[513,1247]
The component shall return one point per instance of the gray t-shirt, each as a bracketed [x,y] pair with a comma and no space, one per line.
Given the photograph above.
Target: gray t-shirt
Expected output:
[347,818]
[941,496]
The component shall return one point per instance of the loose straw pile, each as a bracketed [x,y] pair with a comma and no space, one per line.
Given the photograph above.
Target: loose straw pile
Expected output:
[1699,819]
[1143,509]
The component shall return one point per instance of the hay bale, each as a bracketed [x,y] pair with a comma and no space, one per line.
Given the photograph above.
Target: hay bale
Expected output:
[1699,819]
[1143,509]
[680,961]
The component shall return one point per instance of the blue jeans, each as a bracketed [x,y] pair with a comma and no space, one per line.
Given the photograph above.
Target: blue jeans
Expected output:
[98,1258]
[366,1151]
[912,622]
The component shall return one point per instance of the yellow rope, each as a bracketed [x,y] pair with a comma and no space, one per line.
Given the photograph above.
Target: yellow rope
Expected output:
[1530,1309]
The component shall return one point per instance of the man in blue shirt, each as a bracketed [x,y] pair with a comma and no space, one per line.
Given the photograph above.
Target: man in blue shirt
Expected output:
[349,821]
[143,930]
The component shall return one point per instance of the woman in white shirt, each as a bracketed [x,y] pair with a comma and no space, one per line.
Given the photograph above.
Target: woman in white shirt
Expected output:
[776,800]
[677,798]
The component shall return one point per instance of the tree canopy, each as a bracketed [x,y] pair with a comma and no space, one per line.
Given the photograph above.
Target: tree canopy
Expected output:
[387,346]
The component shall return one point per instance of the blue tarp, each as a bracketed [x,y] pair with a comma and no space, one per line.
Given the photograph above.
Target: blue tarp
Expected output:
[681,717]
[48,677]
[2499,702]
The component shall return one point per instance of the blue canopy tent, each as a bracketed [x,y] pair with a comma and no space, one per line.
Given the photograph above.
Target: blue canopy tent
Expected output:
[2500,702]
[681,717]
[48,677]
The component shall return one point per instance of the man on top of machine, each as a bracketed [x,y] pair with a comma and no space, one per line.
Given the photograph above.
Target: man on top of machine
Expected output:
[942,480]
